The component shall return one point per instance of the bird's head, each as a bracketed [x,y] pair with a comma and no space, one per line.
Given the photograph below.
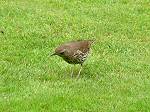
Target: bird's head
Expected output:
[59,51]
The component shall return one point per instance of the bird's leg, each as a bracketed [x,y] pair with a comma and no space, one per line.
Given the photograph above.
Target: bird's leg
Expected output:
[72,69]
[79,71]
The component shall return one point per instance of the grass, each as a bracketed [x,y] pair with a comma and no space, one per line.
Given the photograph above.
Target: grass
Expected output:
[115,78]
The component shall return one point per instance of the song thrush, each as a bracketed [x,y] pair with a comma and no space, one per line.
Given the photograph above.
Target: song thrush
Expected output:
[74,52]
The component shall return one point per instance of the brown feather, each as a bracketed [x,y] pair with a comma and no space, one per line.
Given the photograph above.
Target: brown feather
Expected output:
[73,52]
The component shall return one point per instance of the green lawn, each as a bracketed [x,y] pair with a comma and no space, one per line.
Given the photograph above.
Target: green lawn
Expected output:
[116,76]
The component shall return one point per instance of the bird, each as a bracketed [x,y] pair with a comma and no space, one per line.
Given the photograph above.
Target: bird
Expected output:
[74,52]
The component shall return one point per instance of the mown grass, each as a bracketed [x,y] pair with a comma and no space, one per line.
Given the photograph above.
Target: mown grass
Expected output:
[116,77]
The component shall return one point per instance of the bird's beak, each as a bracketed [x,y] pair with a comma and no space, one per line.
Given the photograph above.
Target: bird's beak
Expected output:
[53,54]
